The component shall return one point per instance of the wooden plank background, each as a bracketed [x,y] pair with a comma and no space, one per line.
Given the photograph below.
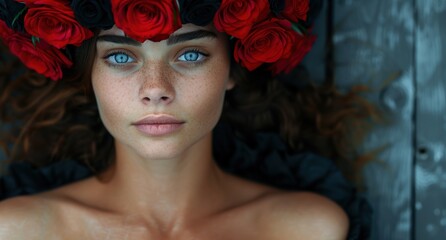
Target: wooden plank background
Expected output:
[430,165]
[397,48]
[373,45]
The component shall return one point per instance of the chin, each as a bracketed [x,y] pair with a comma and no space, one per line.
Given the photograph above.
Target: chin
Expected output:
[160,151]
[159,156]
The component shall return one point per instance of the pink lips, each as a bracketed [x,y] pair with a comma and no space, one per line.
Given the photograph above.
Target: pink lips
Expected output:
[158,125]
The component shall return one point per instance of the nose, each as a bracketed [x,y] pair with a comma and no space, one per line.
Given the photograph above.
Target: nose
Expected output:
[157,86]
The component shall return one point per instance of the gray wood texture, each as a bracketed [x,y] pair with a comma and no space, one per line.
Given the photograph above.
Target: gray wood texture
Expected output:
[373,46]
[373,43]
[430,164]
[397,49]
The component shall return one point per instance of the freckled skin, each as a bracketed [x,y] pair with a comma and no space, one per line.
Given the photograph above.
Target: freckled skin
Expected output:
[195,95]
[168,186]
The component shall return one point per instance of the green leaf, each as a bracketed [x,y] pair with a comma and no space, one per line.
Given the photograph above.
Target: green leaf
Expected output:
[299,28]
[18,15]
[35,40]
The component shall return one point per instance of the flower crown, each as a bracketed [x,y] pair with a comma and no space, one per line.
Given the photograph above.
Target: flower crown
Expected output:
[265,31]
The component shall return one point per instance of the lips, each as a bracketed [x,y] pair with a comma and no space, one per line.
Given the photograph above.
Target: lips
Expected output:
[158,125]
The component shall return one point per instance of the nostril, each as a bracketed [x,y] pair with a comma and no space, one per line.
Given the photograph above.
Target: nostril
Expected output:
[160,99]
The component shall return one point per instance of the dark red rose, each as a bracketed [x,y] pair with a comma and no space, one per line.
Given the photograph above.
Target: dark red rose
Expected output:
[39,56]
[154,20]
[236,17]
[267,42]
[198,12]
[93,14]
[54,22]
[296,10]
[277,6]
[302,46]
[5,31]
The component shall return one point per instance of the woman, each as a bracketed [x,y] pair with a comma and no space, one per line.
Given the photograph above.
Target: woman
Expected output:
[159,92]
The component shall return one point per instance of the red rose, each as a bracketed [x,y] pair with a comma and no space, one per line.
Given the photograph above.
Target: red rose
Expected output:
[236,17]
[147,19]
[296,10]
[267,42]
[302,46]
[54,22]
[41,57]
[5,32]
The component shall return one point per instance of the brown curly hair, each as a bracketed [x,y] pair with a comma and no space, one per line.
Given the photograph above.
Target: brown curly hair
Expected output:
[47,121]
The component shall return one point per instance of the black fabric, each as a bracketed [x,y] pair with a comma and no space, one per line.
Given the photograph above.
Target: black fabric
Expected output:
[23,179]
[263,158]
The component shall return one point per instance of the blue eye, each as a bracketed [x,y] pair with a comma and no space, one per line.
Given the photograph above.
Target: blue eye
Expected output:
[119,58]
[192,56]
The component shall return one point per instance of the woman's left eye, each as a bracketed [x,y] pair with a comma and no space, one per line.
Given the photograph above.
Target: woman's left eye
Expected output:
[192,56]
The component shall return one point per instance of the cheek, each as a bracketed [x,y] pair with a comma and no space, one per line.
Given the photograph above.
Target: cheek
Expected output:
[109,100]
[206,98]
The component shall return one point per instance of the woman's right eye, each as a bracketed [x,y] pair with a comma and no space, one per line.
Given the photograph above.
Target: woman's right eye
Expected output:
[119,58]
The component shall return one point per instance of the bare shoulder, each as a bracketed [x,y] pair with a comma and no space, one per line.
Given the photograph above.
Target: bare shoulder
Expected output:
[35,217]
[303,215]
[26,217]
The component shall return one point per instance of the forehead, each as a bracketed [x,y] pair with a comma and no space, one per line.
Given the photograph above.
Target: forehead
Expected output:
[184,28]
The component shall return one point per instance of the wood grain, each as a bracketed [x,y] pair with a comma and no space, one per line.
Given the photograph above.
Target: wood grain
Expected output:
[373,44]
[430,168]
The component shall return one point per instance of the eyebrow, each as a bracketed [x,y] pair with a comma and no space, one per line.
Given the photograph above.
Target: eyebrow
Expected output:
[118,39]
[173,39]
[183,37]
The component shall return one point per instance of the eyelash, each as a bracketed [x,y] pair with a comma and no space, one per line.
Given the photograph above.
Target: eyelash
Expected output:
[201,58]
[112,61]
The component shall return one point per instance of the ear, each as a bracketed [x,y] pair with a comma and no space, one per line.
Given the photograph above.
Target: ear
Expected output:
[230,84]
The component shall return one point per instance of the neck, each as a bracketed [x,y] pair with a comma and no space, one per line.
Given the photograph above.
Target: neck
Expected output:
[168,191]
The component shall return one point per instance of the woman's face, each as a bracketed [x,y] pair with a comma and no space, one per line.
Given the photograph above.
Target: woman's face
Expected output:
[159,99]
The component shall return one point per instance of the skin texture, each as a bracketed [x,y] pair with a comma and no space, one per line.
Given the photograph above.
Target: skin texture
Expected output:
[167,186]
